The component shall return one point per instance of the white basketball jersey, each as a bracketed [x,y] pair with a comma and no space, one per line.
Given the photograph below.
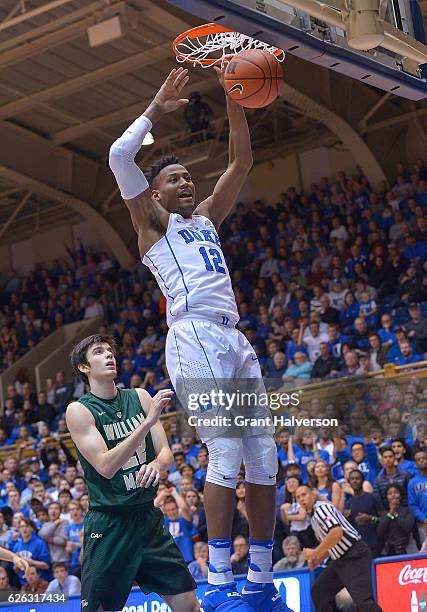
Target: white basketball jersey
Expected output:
[190,269]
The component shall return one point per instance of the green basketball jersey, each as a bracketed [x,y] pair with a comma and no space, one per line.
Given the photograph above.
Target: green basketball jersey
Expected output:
[115,420]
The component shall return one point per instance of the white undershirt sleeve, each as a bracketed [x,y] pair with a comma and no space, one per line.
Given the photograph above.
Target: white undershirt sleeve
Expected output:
[129,177]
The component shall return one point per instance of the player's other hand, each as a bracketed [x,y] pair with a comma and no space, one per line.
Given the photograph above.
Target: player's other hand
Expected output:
[148,475]
[160,401]
[168,98]
[20,563]
[220,71]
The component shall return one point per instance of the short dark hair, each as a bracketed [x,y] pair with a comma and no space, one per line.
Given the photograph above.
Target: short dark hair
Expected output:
[30,523]
[358,444]
[157,167]
[373,333]
[385,449]
[78,355]
[65,491]
[59,564]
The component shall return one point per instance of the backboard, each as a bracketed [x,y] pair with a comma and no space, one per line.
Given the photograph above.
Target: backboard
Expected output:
[382,47]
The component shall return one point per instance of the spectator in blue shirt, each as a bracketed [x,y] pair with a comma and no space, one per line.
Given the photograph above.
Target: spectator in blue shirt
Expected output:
[417,493]
[33,549]
[414,250]
[199,567]
[190,449]
[178,521]
[368,309]
[307,452]
[246,318]
[283,439]
[300,370]
[349,312]
[74,530]
[364,454]
[401,453]
[406,354]
[293,345]
[386,331]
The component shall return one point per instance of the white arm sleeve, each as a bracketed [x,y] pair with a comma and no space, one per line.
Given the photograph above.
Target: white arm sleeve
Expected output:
[129,177]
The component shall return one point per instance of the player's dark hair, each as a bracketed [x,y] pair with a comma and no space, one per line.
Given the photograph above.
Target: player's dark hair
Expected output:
[157,167]
[78,355]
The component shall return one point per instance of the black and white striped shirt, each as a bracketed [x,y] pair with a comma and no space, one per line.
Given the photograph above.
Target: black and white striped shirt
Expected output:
[324,518]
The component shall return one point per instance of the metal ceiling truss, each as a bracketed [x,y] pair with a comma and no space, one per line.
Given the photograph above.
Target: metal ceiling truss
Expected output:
[55,33]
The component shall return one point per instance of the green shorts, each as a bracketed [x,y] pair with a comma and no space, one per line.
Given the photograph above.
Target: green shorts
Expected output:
[120,548]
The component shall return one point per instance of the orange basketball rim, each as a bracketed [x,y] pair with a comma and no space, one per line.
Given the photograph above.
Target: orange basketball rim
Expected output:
[209,44]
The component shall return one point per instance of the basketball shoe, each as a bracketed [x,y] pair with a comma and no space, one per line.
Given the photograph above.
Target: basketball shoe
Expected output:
[224,598]
[264,597]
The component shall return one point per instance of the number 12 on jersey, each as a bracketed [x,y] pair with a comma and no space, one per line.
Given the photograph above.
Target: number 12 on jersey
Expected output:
[212,261]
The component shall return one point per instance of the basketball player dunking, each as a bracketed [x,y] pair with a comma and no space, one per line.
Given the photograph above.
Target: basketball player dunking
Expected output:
[178,241]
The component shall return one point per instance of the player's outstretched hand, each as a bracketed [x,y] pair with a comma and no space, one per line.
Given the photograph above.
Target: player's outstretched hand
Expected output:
[160,401]
[148,475]
[168,97]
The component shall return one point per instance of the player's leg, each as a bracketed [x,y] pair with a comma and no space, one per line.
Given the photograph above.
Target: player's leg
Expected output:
[225,458]
[260,459]
[162,568]
[184,602]
[324,589]
[199,354]
[109,564]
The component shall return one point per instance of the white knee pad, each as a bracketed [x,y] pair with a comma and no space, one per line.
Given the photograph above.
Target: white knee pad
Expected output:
[260,458]
[225,460]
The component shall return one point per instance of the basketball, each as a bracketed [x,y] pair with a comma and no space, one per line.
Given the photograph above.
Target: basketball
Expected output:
[252,78]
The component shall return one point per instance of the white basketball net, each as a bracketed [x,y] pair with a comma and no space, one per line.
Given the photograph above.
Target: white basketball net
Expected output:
[228,43]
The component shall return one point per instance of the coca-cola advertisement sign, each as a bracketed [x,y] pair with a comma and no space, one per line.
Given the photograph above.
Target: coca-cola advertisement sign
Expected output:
[402,585]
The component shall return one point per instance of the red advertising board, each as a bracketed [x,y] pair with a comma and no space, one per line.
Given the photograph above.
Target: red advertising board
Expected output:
[402,585]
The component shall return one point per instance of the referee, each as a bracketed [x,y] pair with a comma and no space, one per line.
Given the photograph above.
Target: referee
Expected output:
[350,565]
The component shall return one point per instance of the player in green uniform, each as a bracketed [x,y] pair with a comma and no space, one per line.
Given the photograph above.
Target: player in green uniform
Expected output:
[123,448]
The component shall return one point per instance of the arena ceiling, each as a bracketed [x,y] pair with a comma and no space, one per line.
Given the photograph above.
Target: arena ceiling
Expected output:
[63,102]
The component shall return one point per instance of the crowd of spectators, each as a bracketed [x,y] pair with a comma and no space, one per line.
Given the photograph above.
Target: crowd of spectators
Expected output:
[35,305]
[329,284]
[373,467]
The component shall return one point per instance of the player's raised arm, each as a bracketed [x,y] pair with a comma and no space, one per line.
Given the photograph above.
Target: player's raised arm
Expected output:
[91,444]
[146,214]
[217,206]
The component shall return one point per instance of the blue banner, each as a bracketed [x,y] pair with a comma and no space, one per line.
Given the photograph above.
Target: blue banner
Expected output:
[293,585]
